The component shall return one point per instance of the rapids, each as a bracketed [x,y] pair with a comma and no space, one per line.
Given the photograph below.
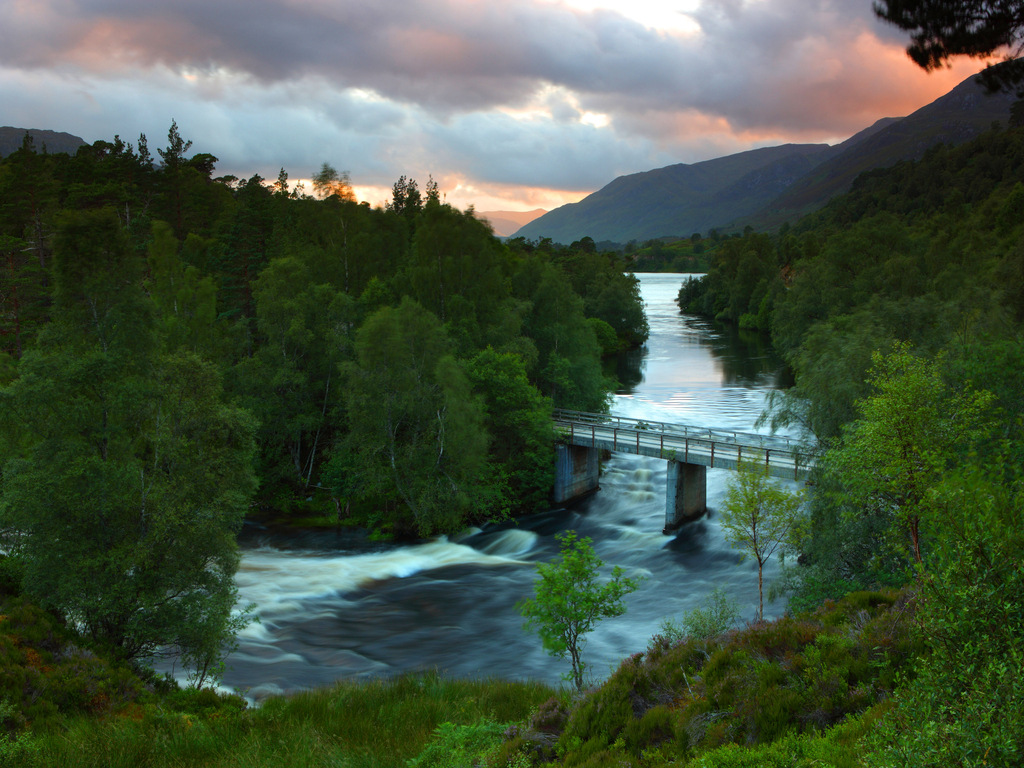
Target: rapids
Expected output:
[334,605]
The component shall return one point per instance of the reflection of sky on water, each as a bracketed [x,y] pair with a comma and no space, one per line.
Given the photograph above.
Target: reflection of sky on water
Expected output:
[674,378]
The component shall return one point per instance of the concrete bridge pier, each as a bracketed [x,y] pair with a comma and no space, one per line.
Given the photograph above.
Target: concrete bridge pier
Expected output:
[576,471]
[686,494]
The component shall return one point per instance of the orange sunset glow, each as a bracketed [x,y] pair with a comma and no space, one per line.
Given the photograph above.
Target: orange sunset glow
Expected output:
[509,106]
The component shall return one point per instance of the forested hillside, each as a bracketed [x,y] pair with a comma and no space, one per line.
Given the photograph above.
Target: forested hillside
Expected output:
[900,307]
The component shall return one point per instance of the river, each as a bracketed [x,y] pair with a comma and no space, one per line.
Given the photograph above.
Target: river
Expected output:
[334,605]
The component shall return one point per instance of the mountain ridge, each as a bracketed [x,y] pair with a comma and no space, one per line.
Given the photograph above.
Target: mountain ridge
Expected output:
[954,118]
[54,141]
[686,185]
[775,185]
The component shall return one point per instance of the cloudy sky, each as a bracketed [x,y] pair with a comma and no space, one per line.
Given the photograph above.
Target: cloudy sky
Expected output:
[509,104]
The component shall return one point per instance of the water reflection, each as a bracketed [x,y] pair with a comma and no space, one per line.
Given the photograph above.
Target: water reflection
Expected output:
[746,357]
[692,370]
[627,368]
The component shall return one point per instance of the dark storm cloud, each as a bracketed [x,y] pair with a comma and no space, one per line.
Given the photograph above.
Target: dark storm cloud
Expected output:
[762,65]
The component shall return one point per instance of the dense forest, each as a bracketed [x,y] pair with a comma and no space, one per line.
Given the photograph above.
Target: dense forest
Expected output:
[176,343]
[312,306]
[180,350]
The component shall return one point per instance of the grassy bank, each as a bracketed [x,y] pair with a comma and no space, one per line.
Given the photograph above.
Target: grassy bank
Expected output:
[372,724]
[797,691]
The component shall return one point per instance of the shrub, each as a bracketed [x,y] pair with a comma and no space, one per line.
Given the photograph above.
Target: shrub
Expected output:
[781,680]
[717,614]
[458,746]
[550,717]
[50,673]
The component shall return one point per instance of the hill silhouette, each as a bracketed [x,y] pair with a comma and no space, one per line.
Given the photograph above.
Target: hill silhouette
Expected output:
[959,116]
[54,141]
[507,223]
[765,187]
[679,198]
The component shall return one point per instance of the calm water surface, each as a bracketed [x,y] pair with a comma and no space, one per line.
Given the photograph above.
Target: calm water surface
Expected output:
[334,605]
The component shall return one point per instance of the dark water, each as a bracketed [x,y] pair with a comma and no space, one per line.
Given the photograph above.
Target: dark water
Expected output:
[335,606]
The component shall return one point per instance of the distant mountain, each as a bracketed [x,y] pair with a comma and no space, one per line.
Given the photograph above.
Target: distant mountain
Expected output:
[506,223]
[11,138]
[679,199]
[959,116]
[765,187]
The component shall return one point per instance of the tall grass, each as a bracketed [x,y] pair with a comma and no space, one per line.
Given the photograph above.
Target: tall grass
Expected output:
[374,724]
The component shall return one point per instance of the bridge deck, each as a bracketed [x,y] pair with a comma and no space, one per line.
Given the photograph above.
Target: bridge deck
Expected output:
[717,448]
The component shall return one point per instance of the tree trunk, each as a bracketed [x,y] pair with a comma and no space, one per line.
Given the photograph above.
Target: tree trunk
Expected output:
[760,590]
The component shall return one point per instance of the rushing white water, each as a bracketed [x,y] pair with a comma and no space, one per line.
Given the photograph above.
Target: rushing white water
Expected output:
[333,605]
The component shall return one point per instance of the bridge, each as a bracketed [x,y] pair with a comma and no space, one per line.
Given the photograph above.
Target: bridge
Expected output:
[689,451]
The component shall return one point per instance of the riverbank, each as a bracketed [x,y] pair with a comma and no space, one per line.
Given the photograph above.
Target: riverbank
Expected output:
[806,689]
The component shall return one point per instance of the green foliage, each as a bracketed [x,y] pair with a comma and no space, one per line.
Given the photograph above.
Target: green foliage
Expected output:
[568,365]
[185,301]
[287,383]
[717,614]
[615,299]
[456,271]
[605,335]
[743,273]
[273,285]
[365,724]
[519,423]
[459,746]
[908,434]
[759,516]
[126,477]
[672,255]
[50,674]
[965,707]
[830,365]
[18,750]
[791,681]
[417,432]
[11,574]
[569,600]
[839,747]
[873,511]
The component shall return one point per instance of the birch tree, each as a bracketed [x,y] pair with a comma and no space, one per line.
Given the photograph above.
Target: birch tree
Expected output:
[757,517]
